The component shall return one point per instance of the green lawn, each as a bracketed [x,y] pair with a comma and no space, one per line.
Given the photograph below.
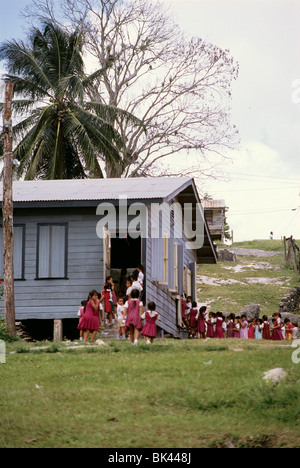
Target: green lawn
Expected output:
[173,394]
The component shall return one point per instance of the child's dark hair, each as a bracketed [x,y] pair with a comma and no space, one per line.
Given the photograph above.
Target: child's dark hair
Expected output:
[265,318]
[140,267]
[232,316]
[84,304]
[194,305]
[286,320]
[107,286]
[135,294]
[92,293]
[151,305]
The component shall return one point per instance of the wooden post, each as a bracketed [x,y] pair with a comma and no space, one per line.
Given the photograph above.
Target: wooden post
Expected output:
[7,213]
[58,330]
[284,250]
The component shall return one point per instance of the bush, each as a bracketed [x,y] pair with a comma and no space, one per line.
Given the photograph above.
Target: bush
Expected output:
[3,330]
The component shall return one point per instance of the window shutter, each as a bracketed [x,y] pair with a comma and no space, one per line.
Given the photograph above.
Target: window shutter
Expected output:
[193,268]
[180,253]
[171,264]
[18,251]
[158,259]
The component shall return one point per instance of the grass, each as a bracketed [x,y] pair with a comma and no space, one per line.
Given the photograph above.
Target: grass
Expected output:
[125,396]
[234,297]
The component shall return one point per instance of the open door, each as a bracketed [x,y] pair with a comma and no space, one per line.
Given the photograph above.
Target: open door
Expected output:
[106,253]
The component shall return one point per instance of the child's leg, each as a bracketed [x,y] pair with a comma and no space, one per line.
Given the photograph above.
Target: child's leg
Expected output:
[136,335]
[86,335]
[94,333]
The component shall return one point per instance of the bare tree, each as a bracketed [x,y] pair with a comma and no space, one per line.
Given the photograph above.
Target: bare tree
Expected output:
[179,87]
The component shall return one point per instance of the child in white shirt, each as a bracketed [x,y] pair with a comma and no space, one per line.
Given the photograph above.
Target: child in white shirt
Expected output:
[120,318]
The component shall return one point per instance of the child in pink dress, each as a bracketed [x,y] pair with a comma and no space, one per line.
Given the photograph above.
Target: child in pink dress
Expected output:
[277,333]
[91,319]
[149,331]
[201,322]
[219,333]
[132,311]
[230,326]
[244,327]
[236,327]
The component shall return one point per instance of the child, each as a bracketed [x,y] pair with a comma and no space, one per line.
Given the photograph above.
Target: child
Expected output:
[295,330]
[129,287]
[136,284]
[244,327]
[193,320]
[141,275]
[236,327]
[91,319]
[266,328]
[120,318]
[133,309]
[113,298]
[184,323]
[252,328]
[230,320]
[288,327]
[201,322]
[277,333]
[80,314]
[210,325]
[258,329]
[149,331]
[219,329]
[188,309]
[106,295]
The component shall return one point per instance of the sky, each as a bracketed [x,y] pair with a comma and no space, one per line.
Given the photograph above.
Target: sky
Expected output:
[261,184]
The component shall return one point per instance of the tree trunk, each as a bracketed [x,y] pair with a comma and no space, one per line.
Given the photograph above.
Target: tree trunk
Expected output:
[7,213]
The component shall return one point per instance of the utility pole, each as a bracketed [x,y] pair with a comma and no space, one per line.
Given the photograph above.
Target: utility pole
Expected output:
[7,213]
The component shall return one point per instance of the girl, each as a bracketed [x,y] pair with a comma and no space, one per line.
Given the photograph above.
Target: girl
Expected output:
[188,309]
[219,329]
[133,309]
[80,314]
[201,322]
[141,275]
[258,329]
[236,327]
[244,327]
[193,320]
[266,328]
[277,333]
[129,287]
[184,322]
[106,295]
[252,328]
[91,319]
[295,330]
[149,331]
[230,326]
[120,318]
[289,327]
[210,325]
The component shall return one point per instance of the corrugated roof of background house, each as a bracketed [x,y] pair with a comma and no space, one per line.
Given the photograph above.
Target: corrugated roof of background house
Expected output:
[96,189]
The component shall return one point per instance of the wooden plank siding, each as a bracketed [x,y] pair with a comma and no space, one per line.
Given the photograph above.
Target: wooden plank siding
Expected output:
[159,293]
[59,298]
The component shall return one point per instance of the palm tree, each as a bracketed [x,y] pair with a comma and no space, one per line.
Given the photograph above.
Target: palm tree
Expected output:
[60,135]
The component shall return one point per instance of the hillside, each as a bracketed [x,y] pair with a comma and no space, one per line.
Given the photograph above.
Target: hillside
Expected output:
[258,277]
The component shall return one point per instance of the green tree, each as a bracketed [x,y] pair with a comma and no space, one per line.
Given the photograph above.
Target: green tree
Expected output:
[59,134]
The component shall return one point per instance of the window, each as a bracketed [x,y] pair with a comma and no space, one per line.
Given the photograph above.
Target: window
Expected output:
[52,251]
[19,251]
[176,267]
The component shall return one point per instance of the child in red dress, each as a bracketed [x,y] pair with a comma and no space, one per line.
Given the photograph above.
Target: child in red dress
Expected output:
[149,331]
[210,325]
[219,333]
[201,322]
[277,333]
[193,320]
[266,328]
[91,319]
[251,329]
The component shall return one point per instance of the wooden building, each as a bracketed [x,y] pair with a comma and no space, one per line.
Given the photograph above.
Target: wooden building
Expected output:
[215,215]
[66,243]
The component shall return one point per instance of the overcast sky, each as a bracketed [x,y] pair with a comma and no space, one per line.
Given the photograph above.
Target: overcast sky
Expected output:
[263,36]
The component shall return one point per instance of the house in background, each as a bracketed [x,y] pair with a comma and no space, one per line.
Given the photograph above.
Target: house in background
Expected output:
[63,248]
[215,215]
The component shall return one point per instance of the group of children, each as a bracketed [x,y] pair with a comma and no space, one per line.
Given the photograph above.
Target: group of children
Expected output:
[127,309]
[215,325]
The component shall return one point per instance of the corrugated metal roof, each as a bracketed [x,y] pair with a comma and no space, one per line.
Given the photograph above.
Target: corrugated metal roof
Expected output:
[213,204]
[95,189]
